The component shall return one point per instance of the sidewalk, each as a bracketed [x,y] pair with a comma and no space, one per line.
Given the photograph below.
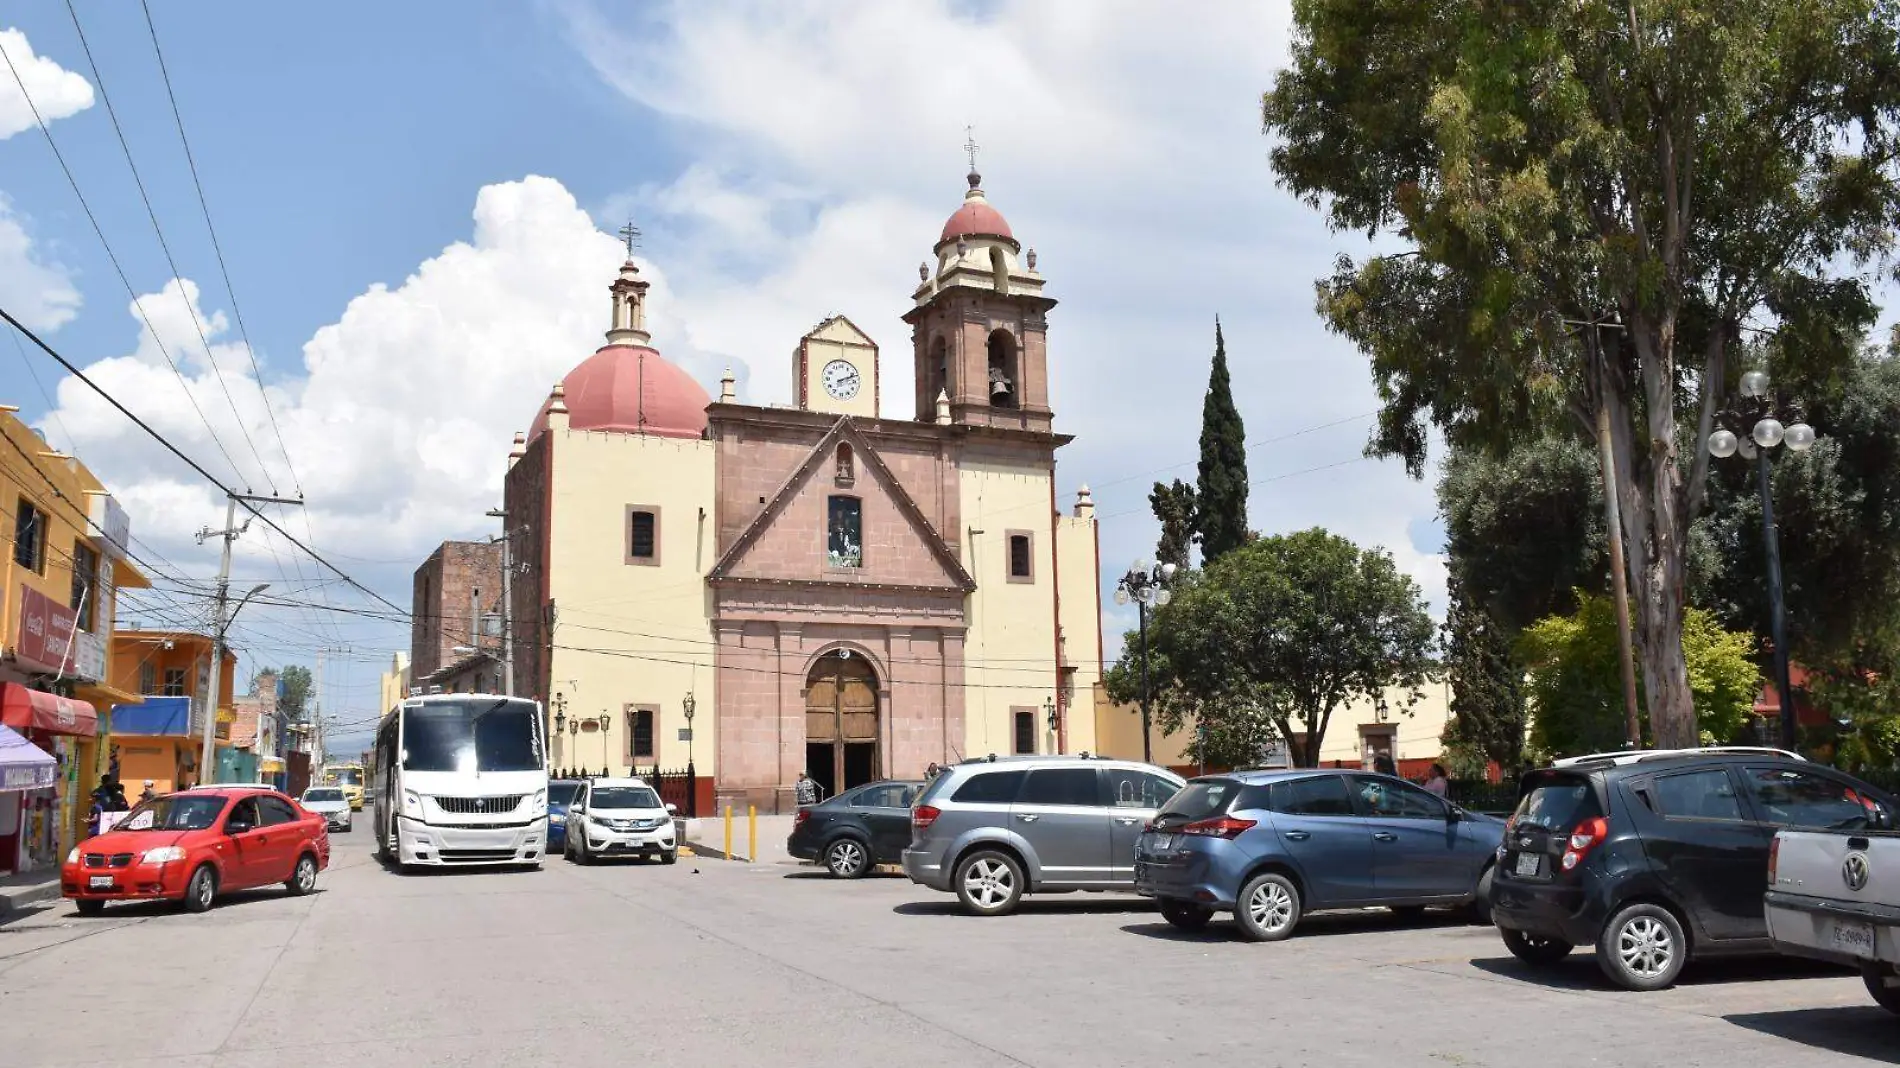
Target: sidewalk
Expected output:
[24,890]
[706,837]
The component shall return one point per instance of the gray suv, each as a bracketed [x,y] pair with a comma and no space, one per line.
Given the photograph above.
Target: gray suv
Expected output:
[995,828]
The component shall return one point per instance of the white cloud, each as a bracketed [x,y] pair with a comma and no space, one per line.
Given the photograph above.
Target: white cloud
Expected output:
[1121,141]
[38,291]
[56,92]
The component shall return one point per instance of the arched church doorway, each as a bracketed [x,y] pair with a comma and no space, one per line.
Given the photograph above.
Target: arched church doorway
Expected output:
[841,749]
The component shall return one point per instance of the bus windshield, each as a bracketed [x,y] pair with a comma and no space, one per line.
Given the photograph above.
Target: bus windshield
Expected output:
[347,776]
[482,734]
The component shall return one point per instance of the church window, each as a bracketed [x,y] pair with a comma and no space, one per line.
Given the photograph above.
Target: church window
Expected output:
[1022,560]
[1005,385]
[1025,730]
[847,471]
[844,539]
[640,734]
[936,376]
[643,535]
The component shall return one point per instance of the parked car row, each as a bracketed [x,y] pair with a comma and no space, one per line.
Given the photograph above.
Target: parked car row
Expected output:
[1653,858]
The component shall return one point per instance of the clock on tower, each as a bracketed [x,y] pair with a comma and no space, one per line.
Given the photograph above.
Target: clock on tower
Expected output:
[835,370]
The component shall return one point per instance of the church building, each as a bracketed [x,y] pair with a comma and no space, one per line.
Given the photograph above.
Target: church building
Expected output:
[855,585]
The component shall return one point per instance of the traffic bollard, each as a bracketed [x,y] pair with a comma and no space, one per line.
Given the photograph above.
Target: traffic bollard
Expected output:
[728,832]
[752,833]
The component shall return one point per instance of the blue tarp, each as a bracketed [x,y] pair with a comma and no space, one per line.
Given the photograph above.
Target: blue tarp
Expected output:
[23,765]
[157,716]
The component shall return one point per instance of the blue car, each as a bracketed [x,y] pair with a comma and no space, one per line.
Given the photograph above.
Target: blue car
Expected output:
[560,795]
[1272,846]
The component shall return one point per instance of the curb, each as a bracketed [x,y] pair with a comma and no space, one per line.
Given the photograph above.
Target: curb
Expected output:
[13,899]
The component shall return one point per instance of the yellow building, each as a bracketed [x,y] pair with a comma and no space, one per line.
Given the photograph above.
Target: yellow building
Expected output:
[395,682]
[163,739]
[1359,733]
[66,557]
[832,586]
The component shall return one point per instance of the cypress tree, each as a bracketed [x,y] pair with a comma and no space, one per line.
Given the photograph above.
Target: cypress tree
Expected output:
[1221,492]
[1173,506]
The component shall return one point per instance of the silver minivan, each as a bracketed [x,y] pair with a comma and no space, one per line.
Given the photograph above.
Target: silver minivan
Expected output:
[995,828]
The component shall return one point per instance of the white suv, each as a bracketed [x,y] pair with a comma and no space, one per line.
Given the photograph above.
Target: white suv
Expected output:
[619,818]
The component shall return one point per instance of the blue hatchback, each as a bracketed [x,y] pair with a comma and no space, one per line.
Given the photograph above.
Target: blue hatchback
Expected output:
[1272,846]
[560,795]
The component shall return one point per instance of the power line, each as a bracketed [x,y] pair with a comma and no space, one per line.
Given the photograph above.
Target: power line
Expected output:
[193,464]
[137,304]
[230,291]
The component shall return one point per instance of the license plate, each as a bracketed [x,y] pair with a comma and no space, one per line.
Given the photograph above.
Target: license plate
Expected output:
[1163,842]
[1529,863]
[1854,938]
[100,882]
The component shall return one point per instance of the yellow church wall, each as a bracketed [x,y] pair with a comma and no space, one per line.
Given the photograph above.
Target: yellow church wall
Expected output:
[1081,624]
[631,635]
[1010,648]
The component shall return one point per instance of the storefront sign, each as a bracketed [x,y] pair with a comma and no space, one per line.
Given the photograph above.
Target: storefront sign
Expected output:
[46,632]
[112,524]
[89,657]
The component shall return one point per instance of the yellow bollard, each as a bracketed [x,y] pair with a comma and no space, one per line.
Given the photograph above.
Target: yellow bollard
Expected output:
[728,832]
[752,833]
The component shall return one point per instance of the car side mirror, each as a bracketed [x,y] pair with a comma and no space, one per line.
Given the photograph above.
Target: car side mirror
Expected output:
[237,827]
[577,810]
[1453,813]
[672,809]
[1881,819]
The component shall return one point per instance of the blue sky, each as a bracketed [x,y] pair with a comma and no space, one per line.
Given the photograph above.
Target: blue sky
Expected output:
[415,203]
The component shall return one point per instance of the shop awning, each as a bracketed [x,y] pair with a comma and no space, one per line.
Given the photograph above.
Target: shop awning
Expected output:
[23,709]
[157,716]
[23,765]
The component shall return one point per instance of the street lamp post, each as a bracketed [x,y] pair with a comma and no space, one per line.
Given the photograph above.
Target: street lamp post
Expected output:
[692,774]
[1751,427]
[1145,585]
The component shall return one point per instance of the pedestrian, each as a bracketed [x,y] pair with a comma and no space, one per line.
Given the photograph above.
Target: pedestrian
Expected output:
[1437,782]
[931,771]
[1383,765]
[806,791]
[150,792]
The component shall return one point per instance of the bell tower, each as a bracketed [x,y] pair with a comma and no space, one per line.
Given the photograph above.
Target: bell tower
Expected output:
[979,325]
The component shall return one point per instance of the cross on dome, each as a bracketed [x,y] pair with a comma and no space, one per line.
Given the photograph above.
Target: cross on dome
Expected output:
[631,234]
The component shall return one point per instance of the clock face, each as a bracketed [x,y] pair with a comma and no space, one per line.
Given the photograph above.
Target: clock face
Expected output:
[841,379]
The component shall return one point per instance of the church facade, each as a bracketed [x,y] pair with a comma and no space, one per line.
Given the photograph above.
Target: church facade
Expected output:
[854,586]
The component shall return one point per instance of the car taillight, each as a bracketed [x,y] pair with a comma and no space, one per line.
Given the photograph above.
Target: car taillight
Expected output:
[1774,858]
[1221,827]
[1583,838]
[923,816]
[801,816]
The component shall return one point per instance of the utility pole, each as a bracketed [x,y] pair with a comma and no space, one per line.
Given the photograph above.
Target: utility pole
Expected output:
[219,622]
[507,604]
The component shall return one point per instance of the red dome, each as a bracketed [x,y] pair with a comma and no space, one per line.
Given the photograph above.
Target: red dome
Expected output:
[634,389]
[976,219]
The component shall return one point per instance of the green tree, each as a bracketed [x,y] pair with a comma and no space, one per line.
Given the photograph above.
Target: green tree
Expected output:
[1221,491]
[1576,693]
[1487,692]
[1673,171]
[1273,637]
[1173,506]
[296,680]
[1523,529]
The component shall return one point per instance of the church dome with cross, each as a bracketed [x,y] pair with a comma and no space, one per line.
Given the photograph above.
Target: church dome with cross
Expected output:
[626,385]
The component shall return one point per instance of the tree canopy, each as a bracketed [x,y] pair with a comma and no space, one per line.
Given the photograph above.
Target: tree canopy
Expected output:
[1597,201]
[1220,495]
[1273,637]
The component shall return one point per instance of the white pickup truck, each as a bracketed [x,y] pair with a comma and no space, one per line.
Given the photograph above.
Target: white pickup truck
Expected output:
[1835,895]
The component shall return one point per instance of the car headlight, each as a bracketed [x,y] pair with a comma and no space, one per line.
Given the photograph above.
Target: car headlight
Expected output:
[540,802]
[163,855]
[557,817]
[73,857]
[410,802]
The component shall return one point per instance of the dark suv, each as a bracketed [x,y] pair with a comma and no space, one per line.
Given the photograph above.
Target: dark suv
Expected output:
[1656,857]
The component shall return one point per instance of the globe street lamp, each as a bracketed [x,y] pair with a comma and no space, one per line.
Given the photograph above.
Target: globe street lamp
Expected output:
[1145,585]
[692,776]
[1752,426]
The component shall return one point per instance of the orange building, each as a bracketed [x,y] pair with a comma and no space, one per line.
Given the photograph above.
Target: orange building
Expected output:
[171,671]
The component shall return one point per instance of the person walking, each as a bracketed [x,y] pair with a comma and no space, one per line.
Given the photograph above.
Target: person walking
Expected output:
[1437,782]
[805,790]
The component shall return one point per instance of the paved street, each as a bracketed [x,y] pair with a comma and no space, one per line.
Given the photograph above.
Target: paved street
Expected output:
[712,962]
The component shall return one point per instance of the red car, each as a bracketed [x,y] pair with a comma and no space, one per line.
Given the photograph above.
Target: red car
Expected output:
[195,844]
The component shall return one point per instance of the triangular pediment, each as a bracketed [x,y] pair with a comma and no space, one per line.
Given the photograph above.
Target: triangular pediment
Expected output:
[789,540]
[842,331]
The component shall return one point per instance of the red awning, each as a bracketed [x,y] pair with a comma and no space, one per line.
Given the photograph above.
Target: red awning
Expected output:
[26,709]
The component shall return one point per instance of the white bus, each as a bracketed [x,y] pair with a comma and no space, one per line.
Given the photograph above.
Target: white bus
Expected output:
[461,779]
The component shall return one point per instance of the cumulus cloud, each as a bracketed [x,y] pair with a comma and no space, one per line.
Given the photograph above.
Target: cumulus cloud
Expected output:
[37,290]
[1121,141]
[55,91]
[399,427]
